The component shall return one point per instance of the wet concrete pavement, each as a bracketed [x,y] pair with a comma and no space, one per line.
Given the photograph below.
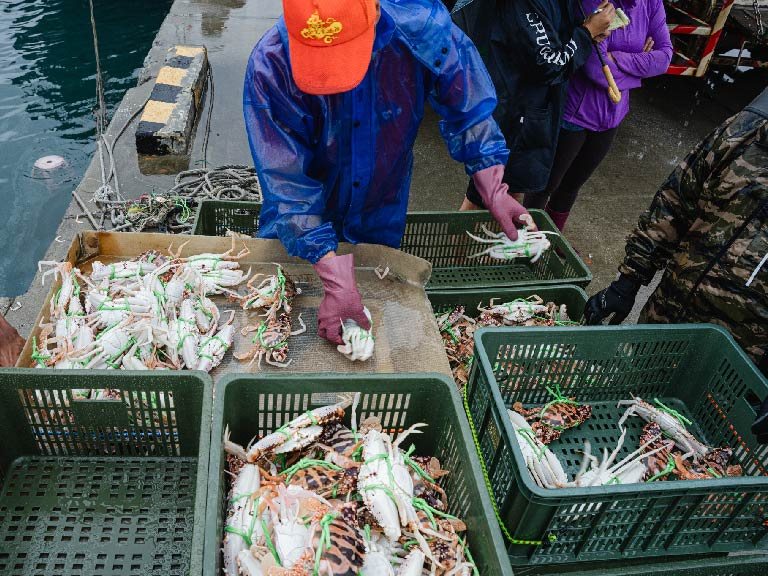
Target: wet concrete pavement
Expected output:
[668,116]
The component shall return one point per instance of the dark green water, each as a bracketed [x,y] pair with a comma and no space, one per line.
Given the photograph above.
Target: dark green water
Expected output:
[47,97]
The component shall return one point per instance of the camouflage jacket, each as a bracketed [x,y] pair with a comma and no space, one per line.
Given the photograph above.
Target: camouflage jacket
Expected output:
[708,226]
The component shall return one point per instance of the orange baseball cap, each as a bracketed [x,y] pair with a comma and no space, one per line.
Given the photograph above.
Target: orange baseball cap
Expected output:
[330,42]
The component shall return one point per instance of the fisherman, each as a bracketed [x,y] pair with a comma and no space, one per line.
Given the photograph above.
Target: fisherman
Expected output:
[535,47]
[707,227]
[334,95]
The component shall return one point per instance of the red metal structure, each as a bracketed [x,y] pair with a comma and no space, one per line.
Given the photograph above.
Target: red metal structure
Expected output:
[697,27]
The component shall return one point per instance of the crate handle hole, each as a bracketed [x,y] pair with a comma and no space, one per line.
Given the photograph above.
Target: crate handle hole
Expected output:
[99,395]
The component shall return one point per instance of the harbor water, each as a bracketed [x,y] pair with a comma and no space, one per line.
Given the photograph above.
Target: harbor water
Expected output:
[47,100]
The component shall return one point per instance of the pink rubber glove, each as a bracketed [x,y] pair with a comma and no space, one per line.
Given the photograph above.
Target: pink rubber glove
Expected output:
[342,299]
[505,209]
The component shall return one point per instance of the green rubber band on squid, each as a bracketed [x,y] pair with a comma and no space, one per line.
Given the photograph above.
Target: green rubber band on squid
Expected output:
[239,497]
[667,470]
[528,434]
[246,538]
[452,334]
[282,431]
[217,338]
[111,361]
[324,541]
[427,510]
[37,354]
[181,342]
[416,468]
[200,307]
[107,329]
[159,296]
[305,463]
[558,398]
[421,503]
[269,543]
[383,488]
[672,412]
[259,338]
[468,554]
[377,458]
[311,418]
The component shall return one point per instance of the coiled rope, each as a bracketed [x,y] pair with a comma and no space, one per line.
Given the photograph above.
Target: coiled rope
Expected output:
[173,211]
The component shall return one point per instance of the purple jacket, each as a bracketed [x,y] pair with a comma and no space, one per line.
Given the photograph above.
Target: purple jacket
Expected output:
[588,104]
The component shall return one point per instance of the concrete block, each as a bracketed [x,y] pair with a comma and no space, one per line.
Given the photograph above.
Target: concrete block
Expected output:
[165,127]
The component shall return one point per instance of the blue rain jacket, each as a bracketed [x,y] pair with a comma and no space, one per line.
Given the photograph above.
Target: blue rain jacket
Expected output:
[338,168]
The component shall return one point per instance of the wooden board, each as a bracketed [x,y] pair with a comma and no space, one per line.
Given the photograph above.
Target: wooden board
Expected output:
[407,336]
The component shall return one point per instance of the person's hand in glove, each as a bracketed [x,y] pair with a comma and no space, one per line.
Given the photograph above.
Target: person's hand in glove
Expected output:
[342,300]
[618,299]
[760,427]
[506,210]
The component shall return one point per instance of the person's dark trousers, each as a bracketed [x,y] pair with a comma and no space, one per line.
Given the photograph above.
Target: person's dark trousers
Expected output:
[578,154]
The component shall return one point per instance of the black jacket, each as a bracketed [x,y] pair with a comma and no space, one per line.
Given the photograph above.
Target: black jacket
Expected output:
[533,48]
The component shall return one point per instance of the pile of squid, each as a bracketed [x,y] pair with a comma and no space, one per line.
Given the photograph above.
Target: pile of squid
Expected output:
[458,329]
[318,498]
[272,299]
[667,450]
[152,312]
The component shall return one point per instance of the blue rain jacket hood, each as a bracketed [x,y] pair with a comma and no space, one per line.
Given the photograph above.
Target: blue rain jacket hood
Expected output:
[338,167]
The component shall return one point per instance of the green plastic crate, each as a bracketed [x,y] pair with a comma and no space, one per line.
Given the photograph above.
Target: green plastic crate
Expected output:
[573,297]
[216,217]
[440,238]
[736,565]
[257,405]
[696,369]
[103,487]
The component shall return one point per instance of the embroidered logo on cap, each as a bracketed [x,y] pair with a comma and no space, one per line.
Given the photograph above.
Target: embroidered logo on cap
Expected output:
[318,30]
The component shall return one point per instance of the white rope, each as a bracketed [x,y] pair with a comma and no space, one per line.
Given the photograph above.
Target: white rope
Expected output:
[756,270]
[105,192]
